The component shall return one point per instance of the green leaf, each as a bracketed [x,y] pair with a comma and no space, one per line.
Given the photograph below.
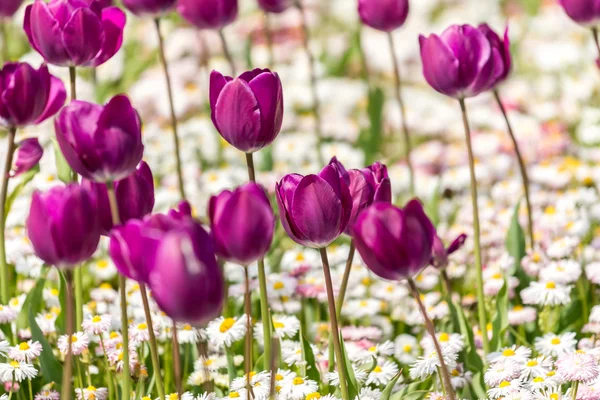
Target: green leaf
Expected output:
[33,301]
[387,392]
[515,240]
[414,391]
[307,354]
[473,362]
[25,179]
[51,368]
[347,365]
[432,206]
[500,321]
[63,170]
[371,139]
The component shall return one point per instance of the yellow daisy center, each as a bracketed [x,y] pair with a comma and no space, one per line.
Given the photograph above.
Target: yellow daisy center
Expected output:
[226,325]
[550,285]
[278,285]
[298,381]
[96,319]
[312,396]
[24,346]
[504,384]
[508,353]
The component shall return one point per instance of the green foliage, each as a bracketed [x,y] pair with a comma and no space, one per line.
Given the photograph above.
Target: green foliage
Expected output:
[347,365]
[63,170]
[33,302]
[51,368]
[500,321]
[25,179]
[515,240]
[307,354]
[370,139]
[387,392]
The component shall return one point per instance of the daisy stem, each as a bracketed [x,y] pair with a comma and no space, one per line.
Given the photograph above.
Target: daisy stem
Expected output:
[439,371]
[585,309]
[520,338]
[12,387]
[335,332]
[78,275]
[476,234]
[30,388]
[125,384]
[595,36]
[153,346]
[262,280]
[73,80]
[574,389]
[226,52]
[4,277]
[68,367]
[405,132]
[431,330]
[248,347]
[230,364]
[165,66]
[79,374]
[522,168]
[269,39]
[109,377]
[313,80]
[177,361]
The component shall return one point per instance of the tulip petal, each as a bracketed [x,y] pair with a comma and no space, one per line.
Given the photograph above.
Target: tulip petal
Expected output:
[217,83]
[26,94]
[38,230]
[29,154]
[45,34]
[419,232]
[267,89]
[113,23]
[440,66]
[83,36]
[56,99]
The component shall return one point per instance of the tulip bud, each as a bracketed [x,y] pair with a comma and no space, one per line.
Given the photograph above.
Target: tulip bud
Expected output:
[152,8]
[101,143]
[8,8]
[208,14]
[62,225]
[440,254]
[460,62]
[29,154]
[242,223]
[135,197]
[383,15]
[74,32]
[248,110]
[275,6]
[28,96]
[584,12]
[394,243]
[501,51]
[314,209]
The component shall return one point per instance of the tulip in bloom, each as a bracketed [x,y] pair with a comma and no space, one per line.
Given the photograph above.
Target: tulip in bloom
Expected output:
[208,14]
[8,8]
[367,186]
[74,32]
[29,154]
[247,110]
[584,12]
[441,254]
[242,223]
[383,15]
[500,47]
[461,62]
[274,6]
[314,209]
[28,96]
[153,8]
[62,225]
[394,243]
[101,143]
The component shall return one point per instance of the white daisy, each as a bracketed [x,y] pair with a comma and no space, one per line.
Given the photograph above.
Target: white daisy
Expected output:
[539,366]
[91,393]
[17,371]
[505,388]
[517,354]
[382,373]
[188,334]
[223,332]
[4,347]
[97,324]
[503,370]
[79,343]
[299,388]
[26,351]
[429,363]
[7,314]
[407,348]
[546,294]
[553,345]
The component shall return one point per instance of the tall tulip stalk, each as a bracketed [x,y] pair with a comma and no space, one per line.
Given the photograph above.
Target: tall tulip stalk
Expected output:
[272,7]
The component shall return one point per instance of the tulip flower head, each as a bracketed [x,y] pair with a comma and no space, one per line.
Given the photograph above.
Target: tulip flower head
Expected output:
[584,12]
[500,47]
[208,14]
[8,8]
[383,15]
[441,254]
[275,6]
[29,153]
[151,8]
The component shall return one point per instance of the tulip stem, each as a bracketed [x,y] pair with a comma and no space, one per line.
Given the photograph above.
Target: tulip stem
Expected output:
[226,52]
[73,79]
[5,38]
[476,232]
[345,278]
[68,369]
[153,347]
[262,282]
[522,167]
[248,347]
[595,36]
[4,277]
[313,80]
[78,274]
[405,131]
[335,332]
[177,361]
[269,39]
[165,66]
[447,383]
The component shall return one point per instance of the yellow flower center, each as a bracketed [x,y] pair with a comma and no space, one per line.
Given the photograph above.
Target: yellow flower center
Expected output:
[444,337]
[91,388]
[24,346]
[550,210]
[555,340]
[312,396]
[504,384]
[234,395]
[455,372]
[372,349]
[96,319]
[298,381]
[278,324]
[497,276]
[407,348]
[554,396]
[550,285]
[54,292]
[536,257]
[551,373]
[278,377]
[15,364]
[518,308]
[142,326]
[173,396]
[105,286]
[113,335]
[278,285]
[74,339]
[226,324]
[538,379]
[366,281]
[508,353]
[207,362]
[377,369]
[532,363]
[300,257]
[102,264]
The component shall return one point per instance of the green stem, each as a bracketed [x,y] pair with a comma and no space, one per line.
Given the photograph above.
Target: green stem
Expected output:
[30,388]
[68,366]
[73,80]
[108,376]
[248,344]
[230,364]
[78,274]
[518,336]
[585,309]
[177,361]
[226,52]
[79,373]
[153,346]
[476,234]
[269,39]
[575,387]
[12,386]
[4,276]
[345,278]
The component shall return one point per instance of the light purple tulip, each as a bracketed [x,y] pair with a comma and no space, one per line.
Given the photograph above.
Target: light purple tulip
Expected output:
[383,15]
[248,110]
[499,47]
[584,12]
[275,6]
[74,32]
[8,8]
[150,8]
[208,14]
[101,143]
[394,243]
[29,154]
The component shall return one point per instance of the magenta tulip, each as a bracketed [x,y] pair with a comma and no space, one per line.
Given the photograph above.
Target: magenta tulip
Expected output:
[500,47]
[275,6]
[151,8]
[8,8]
[208,14]
[383,15]
[584,12]
[441,254]
[29,154]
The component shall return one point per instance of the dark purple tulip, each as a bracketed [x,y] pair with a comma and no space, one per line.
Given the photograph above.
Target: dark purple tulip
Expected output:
[584,12]
[440,255]
[74,32]
[28,96]
[242,223]
[500,47]
[100,143]
[29,154]
[460,62]
[314,209]
[185,279]
[62,225]
[248,110]
[383,15]
[152,8]
[208,14]
[394,243]
[8,8]
[135,197]
[275,6]
[103,3]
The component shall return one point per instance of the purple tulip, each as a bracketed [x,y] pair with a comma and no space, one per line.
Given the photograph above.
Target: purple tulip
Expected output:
[101,143]
[314,209]
[440,254]
[500,47]
[275,6]
[394,243]
[135,197]
[152,8]
[74,32]
[383,15]
[8,8]
[584,12]
[185,279]
[103,3]
[208,14]
[62,225]
[461,62]
[28,96]
[242,223]
[29,154]
[248,110]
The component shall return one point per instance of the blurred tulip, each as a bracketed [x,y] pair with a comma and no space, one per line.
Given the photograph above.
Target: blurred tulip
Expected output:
[135,197]
[275,6]
[28,96]
[501,48]
[8,8]
[152,8]
[63,226]
[584,12]
[29,154]
[314,209]
[101,143]
[394,243]
[242,223]
[440,254]
[208,14]
[460,62]
[248,110]
[103,3]
[74,32]
[383,15]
